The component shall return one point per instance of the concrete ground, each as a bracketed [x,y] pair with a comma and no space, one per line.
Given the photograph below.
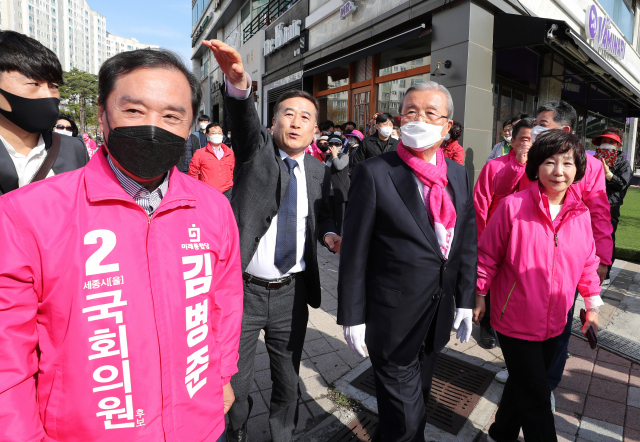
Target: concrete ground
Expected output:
[597,401]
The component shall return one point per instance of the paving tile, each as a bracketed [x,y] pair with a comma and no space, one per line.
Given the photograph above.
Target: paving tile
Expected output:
[481,353]
[611,372]
[633,418]
[605,410]
[329,303]
[320,412]
[304,419]
[259,406]
[594,430]
[566,422]
[261,362]
[318,347]
[631,435]
[564,437]
[258,428]
[307,369]
[262,347]
[581,348]
[634,376]
[349,357]
[312,334]
[333,375]
[569,400]
[332,329]
[337,342]
[610,358]
[580,365]
[254,387]
[313,387]
[633,399]
[575,381]
[266,396]
[614,391]
[263,379]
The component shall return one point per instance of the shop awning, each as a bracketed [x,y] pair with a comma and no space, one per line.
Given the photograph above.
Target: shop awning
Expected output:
[375,48]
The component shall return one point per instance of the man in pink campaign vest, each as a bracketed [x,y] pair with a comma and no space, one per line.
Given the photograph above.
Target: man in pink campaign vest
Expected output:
[121,290]
[408,263]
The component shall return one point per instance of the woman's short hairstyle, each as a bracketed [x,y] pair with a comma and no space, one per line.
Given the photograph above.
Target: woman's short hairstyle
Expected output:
[74,126]
[550,143]
[456,131]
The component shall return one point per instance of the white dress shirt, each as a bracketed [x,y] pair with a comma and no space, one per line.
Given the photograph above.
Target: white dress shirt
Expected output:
[27,166]
[262,264]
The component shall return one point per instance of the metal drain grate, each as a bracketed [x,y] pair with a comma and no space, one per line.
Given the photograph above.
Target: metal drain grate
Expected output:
[612,342]
[361,429]
[457,387]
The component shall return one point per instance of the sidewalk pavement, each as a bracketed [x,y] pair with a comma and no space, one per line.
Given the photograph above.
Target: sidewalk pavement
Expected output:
[598,399]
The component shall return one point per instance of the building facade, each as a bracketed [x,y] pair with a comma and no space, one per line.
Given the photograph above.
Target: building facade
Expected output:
[497,57]
[74,32]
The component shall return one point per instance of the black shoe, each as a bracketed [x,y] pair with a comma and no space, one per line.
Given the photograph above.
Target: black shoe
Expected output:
[487,336]
[240,435]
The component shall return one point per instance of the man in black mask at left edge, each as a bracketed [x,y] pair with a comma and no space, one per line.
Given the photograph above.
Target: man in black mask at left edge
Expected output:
[30,75]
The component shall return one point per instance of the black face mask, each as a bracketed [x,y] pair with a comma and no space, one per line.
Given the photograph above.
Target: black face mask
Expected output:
[145,151]
[323,147]
[34,115]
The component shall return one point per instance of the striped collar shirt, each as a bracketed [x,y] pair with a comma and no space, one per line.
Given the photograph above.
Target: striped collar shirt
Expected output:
[149,201]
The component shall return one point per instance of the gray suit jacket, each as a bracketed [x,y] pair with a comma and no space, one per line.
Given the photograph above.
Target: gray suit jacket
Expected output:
[260,179]
[73,155]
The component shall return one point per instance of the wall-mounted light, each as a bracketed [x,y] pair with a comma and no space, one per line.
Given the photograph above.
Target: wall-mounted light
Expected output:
[438,72]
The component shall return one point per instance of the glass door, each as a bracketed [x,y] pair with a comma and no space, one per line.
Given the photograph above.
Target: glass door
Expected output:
[360,99]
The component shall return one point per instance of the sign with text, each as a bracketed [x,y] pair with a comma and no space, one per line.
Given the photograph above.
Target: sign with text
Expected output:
[600,31]
[347,9]
[283,36]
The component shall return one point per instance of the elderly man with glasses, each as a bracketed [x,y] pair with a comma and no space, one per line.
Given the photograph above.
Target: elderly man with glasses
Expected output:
[408,263]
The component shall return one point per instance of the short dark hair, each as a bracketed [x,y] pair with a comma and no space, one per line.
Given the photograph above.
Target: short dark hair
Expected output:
[456,131]
[126,62]
[202,118]
[72,123]
[29,57]
[519,117]
[383,118]
[564,113]
[210,125]
[614,131]
[524,122]
[297,94]
[325,125]
[506,123]
[351,123]
[550,143]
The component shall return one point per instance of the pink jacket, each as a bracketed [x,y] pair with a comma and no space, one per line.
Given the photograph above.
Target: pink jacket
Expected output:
[483,193]
[532,264]
[591,190]
[116,326]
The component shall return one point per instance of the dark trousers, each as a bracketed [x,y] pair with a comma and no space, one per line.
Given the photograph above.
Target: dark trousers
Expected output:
[337,213]
[402,392]
[555,370]
[228,194]
[615,218]
[486,319]
[526,399]
[283,315]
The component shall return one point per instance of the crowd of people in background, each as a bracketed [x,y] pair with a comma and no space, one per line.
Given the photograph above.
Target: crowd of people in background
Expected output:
[423,250]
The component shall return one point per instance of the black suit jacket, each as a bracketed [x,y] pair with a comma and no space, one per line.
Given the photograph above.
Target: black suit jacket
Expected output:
[372,146]
[393,276]
[260,179]
[73,155]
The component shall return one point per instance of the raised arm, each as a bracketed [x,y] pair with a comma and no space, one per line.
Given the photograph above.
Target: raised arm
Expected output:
[249,135]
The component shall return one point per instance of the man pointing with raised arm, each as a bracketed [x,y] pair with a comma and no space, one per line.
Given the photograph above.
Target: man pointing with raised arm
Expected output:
[280,199]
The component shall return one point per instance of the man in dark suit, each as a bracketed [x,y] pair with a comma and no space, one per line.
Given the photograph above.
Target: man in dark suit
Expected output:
[401,279]
[378,142]
[192,144]
[280,199]
[29,78]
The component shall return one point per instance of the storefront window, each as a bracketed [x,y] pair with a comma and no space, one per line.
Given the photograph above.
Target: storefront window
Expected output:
[363,69]
[621,12]
[391,93]
[334,107]
[332,79]
[413,54]
[196,12]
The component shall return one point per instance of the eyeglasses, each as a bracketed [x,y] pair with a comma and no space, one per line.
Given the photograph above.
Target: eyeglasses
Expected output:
[63,127]
[429,117]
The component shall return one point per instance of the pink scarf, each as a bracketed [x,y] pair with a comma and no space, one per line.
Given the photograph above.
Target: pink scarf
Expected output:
[437,201]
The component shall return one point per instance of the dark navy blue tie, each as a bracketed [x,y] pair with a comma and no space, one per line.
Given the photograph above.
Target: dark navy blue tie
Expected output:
[285,256]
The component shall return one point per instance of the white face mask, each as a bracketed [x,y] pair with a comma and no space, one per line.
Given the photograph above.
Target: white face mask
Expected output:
[608,146]
[63,132]
[537,131]
[215,139]
[385,131]
[447,137]
[395,137]
[420,136]
[337,133]
[229,136]
[507,139]
[203,126]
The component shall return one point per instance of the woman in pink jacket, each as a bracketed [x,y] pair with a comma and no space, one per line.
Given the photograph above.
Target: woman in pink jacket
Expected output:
[537,247]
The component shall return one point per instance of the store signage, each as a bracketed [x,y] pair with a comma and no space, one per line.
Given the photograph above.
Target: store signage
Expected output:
[347,9]
[600,31]
[200,30]
[283,36]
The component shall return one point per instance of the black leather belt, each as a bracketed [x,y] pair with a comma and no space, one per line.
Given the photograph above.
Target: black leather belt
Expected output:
[271,284]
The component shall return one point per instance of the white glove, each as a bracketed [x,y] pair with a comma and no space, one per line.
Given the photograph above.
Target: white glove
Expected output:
[354,335]
[463,324]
